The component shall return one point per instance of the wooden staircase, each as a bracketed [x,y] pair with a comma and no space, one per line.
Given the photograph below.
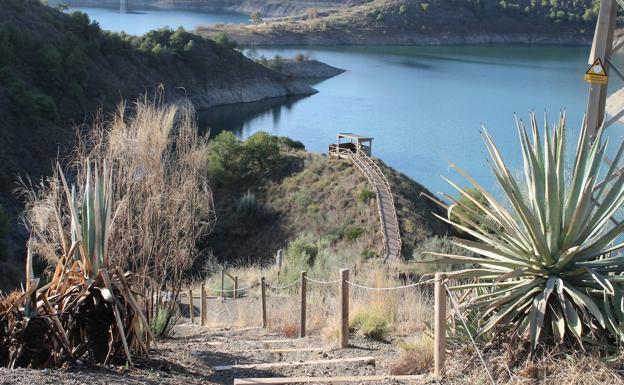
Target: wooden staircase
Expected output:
[385,201]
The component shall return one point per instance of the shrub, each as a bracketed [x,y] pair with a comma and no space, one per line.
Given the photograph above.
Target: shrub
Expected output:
[223,39]
[225,163]
[303,198]
[555,267]
[276,63]
[164,320]
[249,207]
[256,17]
[370,324]
[300,57]
[351,233]
[290,143]
[344,232]
[261,150]
[416,356]
[368,254]
[366,195]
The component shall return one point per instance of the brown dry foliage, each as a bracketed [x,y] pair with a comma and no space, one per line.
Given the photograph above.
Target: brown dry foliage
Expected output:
[554,368]
[416,356]
[162,202]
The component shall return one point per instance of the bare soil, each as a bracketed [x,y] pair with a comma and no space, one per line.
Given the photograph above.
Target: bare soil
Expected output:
[189,358]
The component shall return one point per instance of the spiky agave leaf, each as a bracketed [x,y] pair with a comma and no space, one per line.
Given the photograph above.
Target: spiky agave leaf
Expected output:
[91,230]
[548,250]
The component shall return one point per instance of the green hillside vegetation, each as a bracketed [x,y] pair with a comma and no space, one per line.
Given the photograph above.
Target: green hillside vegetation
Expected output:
[58,69]
[415,21]
[271,194]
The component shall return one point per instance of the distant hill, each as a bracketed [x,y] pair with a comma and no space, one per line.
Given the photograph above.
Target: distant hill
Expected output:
[429,22]
[57,70]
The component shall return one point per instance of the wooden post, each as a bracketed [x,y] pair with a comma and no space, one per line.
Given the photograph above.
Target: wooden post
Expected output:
[344,308]
[303,293]
[263,299]
[236,287]
[222,283]
[202,309]
[191,306]
[439,344]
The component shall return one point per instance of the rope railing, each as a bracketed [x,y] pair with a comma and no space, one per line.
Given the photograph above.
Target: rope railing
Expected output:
[322,282]
[390,288]
[285,286]
[343,285]
[233,290]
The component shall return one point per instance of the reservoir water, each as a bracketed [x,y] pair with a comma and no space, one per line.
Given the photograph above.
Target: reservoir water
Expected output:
[423,105]
[138,19]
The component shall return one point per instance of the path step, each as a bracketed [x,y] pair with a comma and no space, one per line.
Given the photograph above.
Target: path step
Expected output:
[269,365]
[322,380]
[278,341]
[292,350]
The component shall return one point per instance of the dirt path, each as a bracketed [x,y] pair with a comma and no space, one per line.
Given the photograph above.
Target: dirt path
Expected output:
[190,358]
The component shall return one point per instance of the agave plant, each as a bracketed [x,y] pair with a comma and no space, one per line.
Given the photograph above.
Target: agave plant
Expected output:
[548,252]
[88,309]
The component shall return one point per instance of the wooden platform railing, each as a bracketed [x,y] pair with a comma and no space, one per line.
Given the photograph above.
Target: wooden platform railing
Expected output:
[371,169]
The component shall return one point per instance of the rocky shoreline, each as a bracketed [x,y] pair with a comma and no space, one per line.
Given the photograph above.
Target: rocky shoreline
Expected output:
[308,69]
[268,8]
[241,92]
[254,36]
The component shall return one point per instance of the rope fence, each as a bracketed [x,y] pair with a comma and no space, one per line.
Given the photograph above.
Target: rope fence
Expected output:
[322,282]
[440,295]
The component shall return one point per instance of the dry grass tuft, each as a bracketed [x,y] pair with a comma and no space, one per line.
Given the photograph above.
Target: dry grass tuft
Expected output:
[416,356]
[554,368]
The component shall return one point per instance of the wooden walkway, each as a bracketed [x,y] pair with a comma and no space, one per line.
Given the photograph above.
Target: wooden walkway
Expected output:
[385,202]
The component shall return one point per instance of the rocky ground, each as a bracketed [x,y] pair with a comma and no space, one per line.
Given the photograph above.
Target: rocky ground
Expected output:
[189,358]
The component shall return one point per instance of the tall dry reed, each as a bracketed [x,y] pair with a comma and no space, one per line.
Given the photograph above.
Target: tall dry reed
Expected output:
[162,201]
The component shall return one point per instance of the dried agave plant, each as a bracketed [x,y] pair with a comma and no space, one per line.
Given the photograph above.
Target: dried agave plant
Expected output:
[548,253]
[139,203]
[88,309]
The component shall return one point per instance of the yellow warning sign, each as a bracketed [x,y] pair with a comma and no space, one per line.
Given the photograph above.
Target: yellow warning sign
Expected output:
[596,73]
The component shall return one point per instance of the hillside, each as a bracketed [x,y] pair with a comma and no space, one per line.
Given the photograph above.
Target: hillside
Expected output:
[57,70]
[293,195]
[428,22]
[267,8]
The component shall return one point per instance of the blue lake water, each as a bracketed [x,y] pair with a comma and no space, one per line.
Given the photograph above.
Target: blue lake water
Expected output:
[137,20]
[423,105]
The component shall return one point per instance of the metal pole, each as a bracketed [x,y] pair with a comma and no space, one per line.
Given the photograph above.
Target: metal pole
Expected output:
[601,48]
